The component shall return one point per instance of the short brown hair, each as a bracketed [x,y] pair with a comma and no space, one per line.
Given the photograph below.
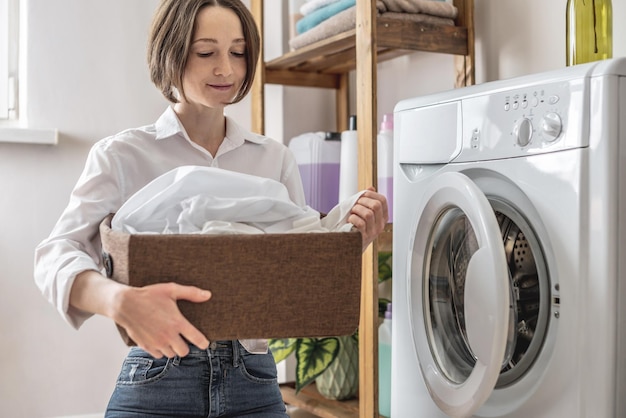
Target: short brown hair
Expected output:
[171,36]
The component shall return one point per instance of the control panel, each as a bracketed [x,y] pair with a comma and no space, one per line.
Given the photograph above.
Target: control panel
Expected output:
[523,121]
[539,116]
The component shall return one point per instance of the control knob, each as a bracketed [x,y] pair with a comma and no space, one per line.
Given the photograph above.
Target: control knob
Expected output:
[551,126]
[523,132]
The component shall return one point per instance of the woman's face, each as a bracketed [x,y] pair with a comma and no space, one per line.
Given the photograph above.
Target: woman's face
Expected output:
[216,65]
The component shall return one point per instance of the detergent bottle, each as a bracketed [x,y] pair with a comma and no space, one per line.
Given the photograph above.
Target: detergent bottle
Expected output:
[318,155]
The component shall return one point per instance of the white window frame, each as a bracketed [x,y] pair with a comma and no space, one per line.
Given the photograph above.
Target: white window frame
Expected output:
[13,124]
[9,58]
[7,97]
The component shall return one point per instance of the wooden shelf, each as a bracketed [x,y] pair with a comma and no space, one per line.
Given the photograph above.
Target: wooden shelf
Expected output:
[321,63]
[327,64]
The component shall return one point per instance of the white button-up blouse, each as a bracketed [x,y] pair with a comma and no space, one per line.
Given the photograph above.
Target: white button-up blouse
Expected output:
[120,165]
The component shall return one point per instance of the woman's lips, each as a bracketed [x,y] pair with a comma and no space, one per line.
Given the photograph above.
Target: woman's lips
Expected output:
[221,87]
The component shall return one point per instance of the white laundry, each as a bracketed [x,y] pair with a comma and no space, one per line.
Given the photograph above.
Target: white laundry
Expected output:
[195,199]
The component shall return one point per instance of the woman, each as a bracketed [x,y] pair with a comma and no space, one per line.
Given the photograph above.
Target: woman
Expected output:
[202,55]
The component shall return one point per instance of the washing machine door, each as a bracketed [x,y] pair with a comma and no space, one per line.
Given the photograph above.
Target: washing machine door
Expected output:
[459,298]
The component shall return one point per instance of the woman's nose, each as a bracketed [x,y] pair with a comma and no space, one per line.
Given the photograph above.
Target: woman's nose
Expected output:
[223,66]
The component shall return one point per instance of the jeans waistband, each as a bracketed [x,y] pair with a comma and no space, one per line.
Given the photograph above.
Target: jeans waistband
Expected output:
[226,348]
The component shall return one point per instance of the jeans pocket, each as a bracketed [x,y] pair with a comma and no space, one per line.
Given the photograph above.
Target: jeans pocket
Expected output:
[140,367]
[259,368]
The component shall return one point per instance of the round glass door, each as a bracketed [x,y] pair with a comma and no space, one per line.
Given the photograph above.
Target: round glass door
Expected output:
[460,298]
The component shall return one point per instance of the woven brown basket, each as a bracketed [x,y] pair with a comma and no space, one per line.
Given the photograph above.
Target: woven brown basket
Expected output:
[263,286]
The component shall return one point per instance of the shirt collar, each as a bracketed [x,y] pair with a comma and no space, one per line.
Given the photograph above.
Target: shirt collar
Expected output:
[168,125]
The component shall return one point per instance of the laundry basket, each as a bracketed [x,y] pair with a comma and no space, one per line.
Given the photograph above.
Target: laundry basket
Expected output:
[263,286]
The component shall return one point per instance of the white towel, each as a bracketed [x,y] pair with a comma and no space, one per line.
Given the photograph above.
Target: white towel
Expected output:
[312,5]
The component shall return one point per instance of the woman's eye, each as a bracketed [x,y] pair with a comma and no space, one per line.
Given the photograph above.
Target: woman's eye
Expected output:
[204,54]
[238,54]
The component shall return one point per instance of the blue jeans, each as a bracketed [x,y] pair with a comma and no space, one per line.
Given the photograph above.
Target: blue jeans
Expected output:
[221,381]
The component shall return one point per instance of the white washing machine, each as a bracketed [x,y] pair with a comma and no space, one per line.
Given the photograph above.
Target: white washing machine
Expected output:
[510,248]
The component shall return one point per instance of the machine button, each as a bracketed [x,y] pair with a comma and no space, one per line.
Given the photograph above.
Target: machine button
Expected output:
[475,138]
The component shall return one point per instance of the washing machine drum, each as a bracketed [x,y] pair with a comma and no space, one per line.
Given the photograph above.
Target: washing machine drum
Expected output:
[454,243]
[479,293]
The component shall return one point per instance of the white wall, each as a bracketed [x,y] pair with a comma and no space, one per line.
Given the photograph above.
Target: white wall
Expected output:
[87,77]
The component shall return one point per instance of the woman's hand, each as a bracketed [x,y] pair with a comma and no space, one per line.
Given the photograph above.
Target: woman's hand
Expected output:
[149,314]
[369,215]
[151,317]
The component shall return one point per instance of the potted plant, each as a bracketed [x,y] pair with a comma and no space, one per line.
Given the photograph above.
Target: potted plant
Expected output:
[333,356]
[315,356]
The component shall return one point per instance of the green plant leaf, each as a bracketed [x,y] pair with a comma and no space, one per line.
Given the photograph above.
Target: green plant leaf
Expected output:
[384,266]
[384,256]
[382,306]
[281,348]
[314,355]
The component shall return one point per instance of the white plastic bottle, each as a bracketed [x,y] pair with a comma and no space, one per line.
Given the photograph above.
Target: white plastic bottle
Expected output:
[384,365]
[385,161]
[348,166]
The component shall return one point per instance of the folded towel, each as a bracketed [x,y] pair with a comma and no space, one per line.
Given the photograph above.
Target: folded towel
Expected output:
[429,7]
[419,17]
[318,16]
[341,22]
[312,5]
[346,20]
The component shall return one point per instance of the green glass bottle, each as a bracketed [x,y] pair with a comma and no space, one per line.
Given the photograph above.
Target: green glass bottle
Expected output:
[589,31]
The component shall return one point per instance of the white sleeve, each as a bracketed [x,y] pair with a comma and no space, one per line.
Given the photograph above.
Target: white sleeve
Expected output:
[292,180]
[74,243]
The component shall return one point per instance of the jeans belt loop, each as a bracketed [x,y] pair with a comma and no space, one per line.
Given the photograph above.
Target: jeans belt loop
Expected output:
[235,353]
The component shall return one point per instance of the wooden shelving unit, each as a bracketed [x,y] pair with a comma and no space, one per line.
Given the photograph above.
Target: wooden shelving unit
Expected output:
[327,64]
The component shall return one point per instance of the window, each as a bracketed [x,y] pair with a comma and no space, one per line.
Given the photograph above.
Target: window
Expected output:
[9,42]
[13,126]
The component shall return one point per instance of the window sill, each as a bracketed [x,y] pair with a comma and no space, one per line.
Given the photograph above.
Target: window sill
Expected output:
[29,136]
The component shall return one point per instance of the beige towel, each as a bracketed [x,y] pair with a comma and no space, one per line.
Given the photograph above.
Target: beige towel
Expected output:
[341,22]
[419,17]
[429,7]
[346,20]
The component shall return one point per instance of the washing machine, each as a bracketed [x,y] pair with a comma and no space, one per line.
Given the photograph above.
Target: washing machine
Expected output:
[510,248]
